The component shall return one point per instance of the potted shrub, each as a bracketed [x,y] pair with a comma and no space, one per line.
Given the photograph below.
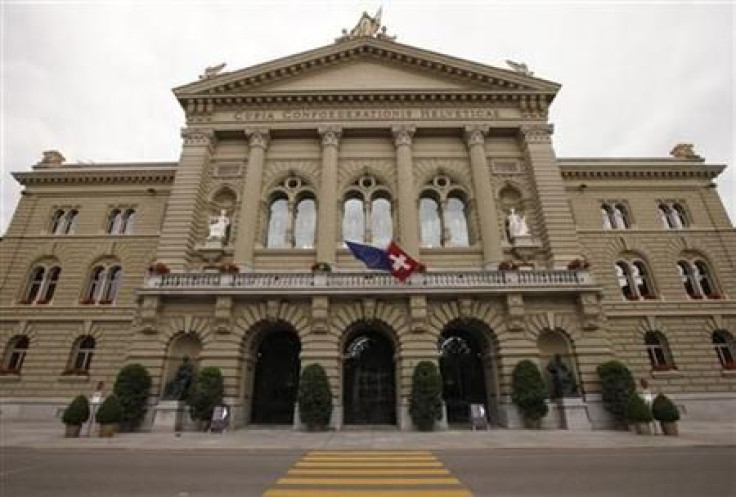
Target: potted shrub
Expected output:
[315,398]
[206,393]
[321,267]
[109,415]
[131,387]
[425,404]
[638,414]
[529,393]
[508,266]
[230,268]
[617,385]
[75,415]
[665,411]
[577,264]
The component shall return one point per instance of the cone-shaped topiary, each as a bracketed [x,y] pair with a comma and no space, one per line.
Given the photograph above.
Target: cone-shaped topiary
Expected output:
[315,398]
[426,396]
[617,385]
[528,391]
[206,393]
[77,412]
[637,411]
[131,387]
[110,412]
[664,410]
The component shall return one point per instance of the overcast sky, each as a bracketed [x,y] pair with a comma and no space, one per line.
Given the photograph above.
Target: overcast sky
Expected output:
[94,79]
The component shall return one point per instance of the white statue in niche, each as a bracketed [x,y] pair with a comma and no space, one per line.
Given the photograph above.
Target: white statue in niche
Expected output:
[517,224]
[218,227]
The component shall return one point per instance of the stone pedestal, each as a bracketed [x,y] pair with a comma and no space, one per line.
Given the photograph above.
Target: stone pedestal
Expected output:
[168,416]
[574,414]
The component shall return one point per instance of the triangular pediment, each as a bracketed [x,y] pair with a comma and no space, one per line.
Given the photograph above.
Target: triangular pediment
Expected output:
[365,65]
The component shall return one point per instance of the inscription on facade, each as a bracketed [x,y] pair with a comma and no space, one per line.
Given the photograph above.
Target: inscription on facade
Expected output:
[423,114]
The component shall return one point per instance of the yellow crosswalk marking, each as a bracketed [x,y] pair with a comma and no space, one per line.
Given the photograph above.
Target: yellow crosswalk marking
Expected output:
[368,481]
[365,473]
[365,493]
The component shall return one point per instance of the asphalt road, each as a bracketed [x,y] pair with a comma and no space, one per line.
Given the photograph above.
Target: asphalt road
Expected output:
[667,472]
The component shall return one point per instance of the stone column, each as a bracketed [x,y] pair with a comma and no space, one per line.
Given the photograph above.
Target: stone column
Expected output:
[485,199]
[186,201]
[408,211]
[558,228]
[251,199]
[327,208]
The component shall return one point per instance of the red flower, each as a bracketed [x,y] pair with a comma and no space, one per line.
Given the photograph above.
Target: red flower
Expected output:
[8,371]
[159,268]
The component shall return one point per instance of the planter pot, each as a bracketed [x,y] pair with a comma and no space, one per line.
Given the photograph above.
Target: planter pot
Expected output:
[670,428]
[72,431]
[532,424]
[108,430]
[643,428]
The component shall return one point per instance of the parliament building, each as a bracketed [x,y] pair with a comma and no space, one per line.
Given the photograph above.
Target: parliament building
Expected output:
[234,256]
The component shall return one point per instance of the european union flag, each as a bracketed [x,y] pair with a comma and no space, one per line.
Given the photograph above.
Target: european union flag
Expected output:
[373,257]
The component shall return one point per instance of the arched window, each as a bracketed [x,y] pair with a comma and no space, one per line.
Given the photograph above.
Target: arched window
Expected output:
[81,357]
[634,280]
[305,223]
[114,219]
[127,222]
[697,279]
[382,225]
[353,221]
[58,224]
[615,216]
[658,351]
[41,285]
[278,223]
[367,212]
[103,285]
[664,216]
[456,223]
[71,222]
[15,354]
[723,344]
[679,217]
[430,222]
[673,215]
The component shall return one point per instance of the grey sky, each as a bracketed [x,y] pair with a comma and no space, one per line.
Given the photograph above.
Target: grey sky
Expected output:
[93,79]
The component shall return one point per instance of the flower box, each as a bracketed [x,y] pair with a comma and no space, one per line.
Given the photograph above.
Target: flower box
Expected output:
[508,266]
[159,268]
[731,366]
[9,371]
[43,302]
[87,301]
[663,367]
[577,264]
[229,267]
[650,297]
[696,297]
[105,302]
[715,296]
[321,267]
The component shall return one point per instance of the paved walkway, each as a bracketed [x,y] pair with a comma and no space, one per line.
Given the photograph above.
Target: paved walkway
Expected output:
[51,435]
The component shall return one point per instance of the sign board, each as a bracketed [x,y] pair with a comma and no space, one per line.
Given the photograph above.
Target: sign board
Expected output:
[220,419]
[478,419]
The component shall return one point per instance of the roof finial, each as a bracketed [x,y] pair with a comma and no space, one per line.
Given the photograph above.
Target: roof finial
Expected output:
[367,27]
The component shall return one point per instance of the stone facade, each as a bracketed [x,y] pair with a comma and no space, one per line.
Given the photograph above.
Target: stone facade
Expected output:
[367,118]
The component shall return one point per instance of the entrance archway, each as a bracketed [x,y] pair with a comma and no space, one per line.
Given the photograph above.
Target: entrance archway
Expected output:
[369,385]
[466,365]
[276,378]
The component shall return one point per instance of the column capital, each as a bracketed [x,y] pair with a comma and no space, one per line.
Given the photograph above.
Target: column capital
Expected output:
[403,134]
[476,134]
[537,133]
[330,135]
[198,136]
[257,137]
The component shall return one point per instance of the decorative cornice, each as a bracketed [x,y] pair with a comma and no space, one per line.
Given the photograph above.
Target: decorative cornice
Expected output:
[330,135]
[91,174]
[198,136]
[257,137]
[476,135]
[403,134]
[604,169]
[537,133]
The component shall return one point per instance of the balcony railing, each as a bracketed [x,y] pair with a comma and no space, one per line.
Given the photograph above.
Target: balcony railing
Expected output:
[366,282]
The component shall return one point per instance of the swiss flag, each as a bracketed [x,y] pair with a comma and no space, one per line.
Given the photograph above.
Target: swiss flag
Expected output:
[402,265]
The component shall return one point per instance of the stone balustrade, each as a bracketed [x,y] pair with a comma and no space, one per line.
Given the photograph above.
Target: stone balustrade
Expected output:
[323,283]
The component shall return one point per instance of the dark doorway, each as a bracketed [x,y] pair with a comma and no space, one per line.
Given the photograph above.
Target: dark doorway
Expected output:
[276,378]
[463,374]
[369,391]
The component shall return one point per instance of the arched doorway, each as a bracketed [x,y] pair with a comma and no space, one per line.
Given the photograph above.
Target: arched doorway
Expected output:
[276,377]
[369,385]
[463,373]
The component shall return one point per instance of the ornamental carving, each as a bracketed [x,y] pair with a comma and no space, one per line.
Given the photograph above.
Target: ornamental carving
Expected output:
[403,135]
[257,137]
[195,136]
[476,135]
[330,135]
[537,133]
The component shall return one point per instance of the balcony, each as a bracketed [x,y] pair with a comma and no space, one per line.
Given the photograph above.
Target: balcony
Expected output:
[367,283]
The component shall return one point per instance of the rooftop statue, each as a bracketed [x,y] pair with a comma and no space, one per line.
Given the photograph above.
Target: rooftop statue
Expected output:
[684,151]
[212,71]
[519,67]
[367,27]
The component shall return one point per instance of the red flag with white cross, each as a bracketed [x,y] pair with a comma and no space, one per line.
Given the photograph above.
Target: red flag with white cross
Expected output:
[402,265]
